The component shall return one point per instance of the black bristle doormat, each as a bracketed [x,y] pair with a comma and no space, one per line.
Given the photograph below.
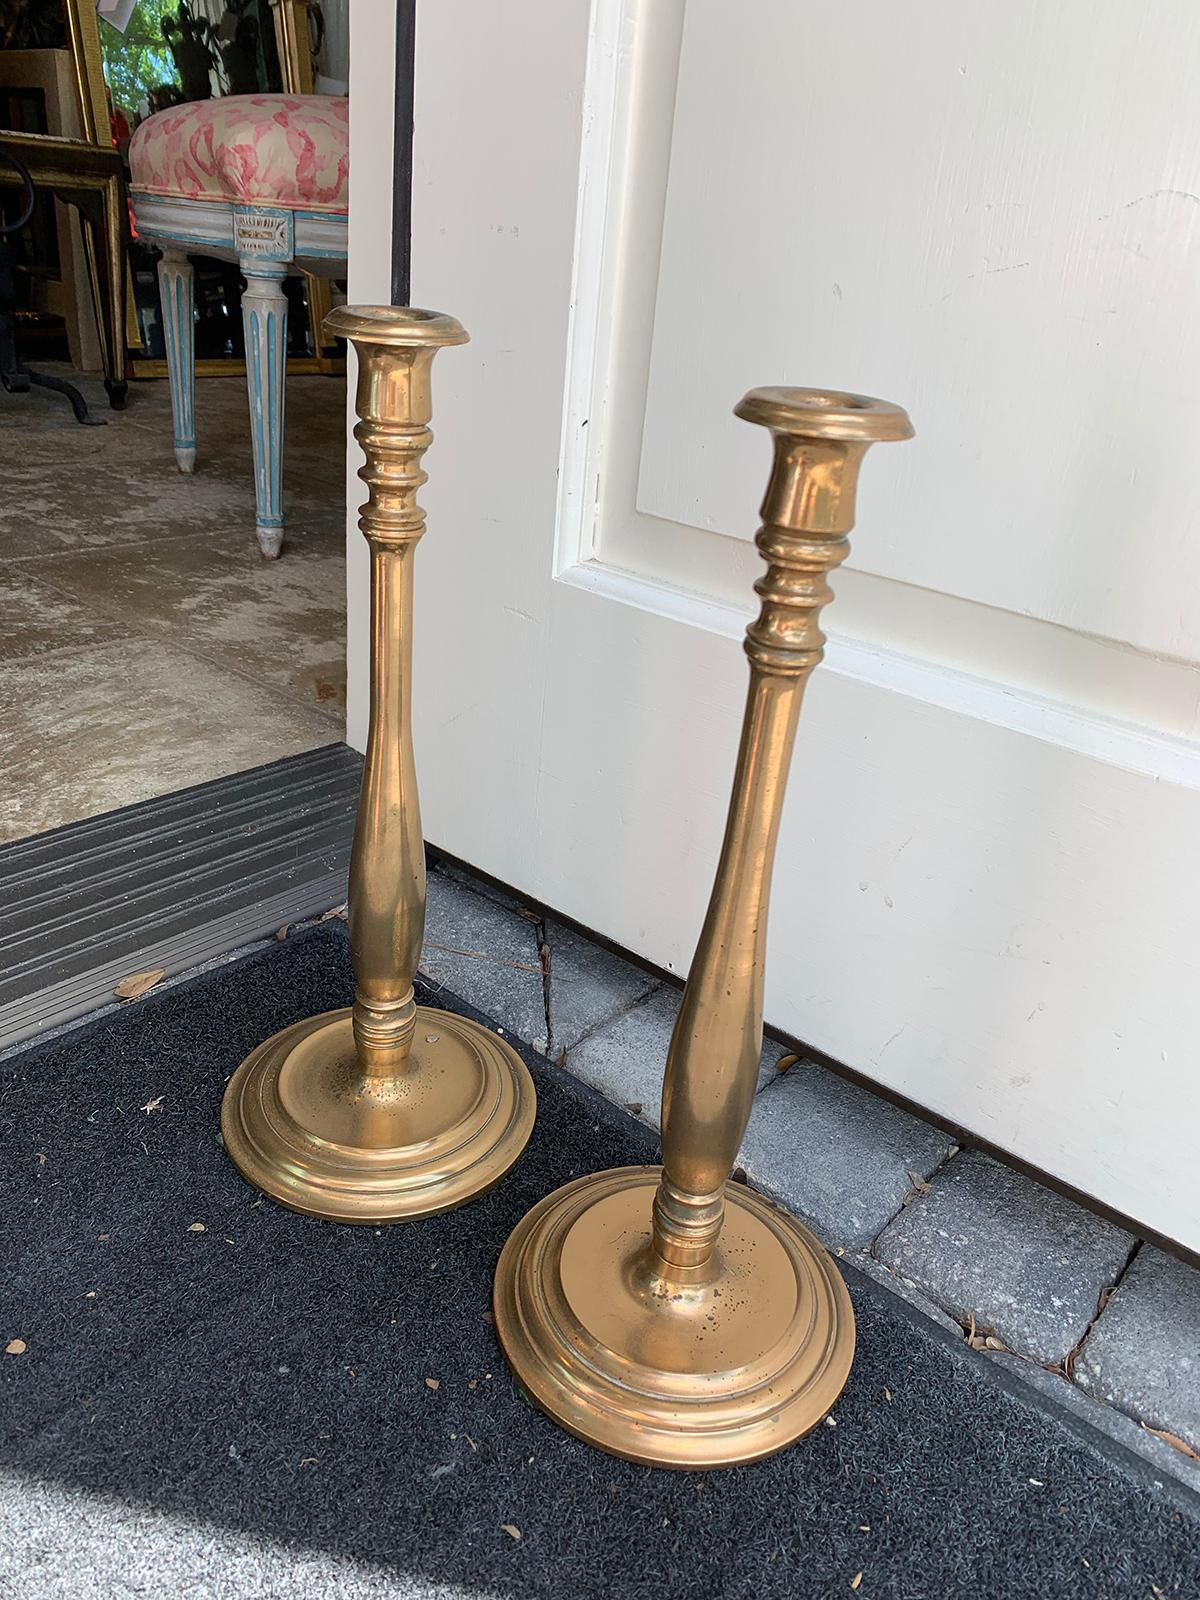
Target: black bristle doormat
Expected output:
[192,1348]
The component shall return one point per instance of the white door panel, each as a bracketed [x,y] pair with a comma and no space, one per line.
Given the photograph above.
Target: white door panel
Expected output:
[983,897]
[995,206]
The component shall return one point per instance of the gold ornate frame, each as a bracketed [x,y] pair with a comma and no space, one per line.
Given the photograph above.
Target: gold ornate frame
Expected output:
[296,64]
[83,39]
[83,33]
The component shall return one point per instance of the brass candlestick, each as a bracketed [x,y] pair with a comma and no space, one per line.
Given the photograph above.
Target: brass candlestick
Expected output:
[388,1109]
[663,1313]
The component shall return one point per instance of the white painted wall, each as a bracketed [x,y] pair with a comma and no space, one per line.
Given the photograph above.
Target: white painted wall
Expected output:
[984,895]
[373,93]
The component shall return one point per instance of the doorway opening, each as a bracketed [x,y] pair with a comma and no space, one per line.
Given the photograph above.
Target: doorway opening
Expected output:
[146,644]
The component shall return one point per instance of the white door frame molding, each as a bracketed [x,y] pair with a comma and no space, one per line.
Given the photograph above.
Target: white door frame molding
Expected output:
[954,654]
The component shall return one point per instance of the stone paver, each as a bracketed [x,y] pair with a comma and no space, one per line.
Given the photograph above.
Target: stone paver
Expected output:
[487,954]
[588,985]
[470,881]
[1143,1354]
[1165,1461]
[836,1155]
[909,1293]
[1028,1263]
[625,1058]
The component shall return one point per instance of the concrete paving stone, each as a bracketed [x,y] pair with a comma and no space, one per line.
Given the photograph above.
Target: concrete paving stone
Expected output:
[625,1058]
[589,985]
[1167,1463]
[479,885]
[487,954]
[1029,1263]
[838,1156]
[908,1292]
[1143,1353]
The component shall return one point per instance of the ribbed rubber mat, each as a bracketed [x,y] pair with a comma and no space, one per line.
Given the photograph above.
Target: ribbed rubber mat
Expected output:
[170,883]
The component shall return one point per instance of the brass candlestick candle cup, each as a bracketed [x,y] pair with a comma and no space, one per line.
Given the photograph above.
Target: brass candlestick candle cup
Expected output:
[666,1314]
[385,1110]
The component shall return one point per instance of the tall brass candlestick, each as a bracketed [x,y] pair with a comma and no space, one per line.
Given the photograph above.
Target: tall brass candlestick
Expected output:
[388,1109]
[663,1313]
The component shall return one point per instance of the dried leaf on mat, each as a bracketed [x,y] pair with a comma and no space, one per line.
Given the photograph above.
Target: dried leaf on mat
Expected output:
[139,983]
[1174,1441]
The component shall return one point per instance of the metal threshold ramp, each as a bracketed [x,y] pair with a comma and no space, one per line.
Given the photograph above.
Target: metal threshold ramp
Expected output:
[171,882]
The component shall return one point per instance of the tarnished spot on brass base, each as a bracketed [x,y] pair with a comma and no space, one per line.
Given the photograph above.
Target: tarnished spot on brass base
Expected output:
[305,1123]
[738,1360]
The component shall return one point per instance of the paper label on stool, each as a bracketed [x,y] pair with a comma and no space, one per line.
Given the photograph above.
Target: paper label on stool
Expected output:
[266,235]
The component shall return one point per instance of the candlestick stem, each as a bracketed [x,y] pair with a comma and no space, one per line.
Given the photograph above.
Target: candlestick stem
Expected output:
[712,1063]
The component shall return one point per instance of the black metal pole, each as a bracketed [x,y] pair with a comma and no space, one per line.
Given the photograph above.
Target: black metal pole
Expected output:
[402,161]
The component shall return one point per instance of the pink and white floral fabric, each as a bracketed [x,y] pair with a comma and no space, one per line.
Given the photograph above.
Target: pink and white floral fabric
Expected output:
[290,150]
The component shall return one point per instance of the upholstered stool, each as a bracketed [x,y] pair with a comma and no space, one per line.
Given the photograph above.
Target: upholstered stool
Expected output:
[259,179]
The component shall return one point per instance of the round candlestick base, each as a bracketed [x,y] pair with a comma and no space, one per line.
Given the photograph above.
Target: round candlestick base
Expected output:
[305,1124]
[727,1368]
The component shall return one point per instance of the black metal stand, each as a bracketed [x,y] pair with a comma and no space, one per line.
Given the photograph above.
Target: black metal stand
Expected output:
[14,375]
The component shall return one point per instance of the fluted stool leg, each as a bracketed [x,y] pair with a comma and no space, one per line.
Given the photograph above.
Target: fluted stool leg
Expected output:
[264,324]
[177,299]
[387,1109]
[666,1314]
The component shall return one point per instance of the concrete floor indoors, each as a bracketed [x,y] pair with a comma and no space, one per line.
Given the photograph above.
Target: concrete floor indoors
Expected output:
[144,643]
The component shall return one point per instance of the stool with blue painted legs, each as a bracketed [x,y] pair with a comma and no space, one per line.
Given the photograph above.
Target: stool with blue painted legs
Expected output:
[260,180]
